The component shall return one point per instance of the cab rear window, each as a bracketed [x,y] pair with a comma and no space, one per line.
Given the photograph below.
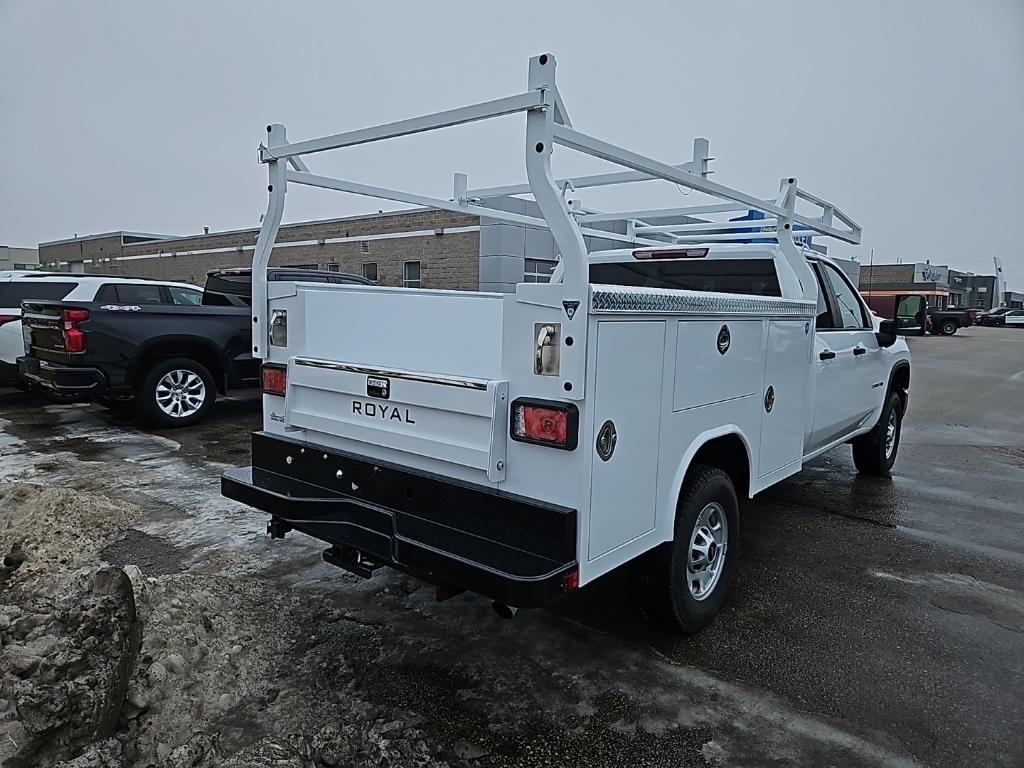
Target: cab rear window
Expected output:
[748,276]
[17,291]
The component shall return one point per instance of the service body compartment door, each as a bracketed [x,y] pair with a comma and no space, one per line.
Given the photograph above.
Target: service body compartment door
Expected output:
[785,387]
[630,363]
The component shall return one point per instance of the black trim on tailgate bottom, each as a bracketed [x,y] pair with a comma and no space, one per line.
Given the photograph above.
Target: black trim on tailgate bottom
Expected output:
[62,379]
[510,548]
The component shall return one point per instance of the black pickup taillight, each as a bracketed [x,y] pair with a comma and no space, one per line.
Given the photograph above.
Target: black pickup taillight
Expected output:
[74,337]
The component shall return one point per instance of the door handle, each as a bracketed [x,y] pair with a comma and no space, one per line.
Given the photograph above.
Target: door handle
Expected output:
[828,354]
[859,350]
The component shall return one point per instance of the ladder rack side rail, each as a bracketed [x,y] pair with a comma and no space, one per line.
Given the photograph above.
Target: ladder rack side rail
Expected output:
[696,166]
[398,196]
[751,225]
[277,186]
[595,147]
[521,102]
[647,213]
[829,208]
[578,182]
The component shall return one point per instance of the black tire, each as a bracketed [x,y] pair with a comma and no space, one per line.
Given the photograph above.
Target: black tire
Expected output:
[949,327]
[194,401]
[660,579]
[872,454]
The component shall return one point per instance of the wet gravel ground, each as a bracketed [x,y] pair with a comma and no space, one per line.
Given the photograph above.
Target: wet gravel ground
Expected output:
[872,622]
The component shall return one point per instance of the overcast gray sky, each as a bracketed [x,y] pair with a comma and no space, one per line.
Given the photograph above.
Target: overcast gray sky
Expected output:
[146,116]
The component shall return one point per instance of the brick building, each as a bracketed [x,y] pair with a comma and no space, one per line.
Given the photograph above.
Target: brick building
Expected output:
[425,248]
[420,248]
[943,286]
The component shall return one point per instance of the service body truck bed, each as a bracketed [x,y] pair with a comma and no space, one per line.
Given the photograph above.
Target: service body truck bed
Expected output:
[521,445]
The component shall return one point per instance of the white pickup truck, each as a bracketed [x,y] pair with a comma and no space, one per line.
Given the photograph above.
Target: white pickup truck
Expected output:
[521,445]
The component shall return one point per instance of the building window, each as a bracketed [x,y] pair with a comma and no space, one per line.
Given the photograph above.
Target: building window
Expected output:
[538,270]
[411,274]
[370,271]
[334,267]
[364,246]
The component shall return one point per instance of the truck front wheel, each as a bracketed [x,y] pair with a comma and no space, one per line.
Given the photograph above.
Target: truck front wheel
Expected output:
[176,392]
[682,584]
[875,452]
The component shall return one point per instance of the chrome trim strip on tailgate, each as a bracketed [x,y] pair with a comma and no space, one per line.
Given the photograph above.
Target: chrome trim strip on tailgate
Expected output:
[634,299]
[449,381]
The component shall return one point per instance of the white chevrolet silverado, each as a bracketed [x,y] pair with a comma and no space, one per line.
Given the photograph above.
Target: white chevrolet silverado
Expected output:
[522,445]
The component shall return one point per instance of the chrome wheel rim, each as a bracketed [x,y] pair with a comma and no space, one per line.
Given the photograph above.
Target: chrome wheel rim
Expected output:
[705,559]
[890,434]
[180,393]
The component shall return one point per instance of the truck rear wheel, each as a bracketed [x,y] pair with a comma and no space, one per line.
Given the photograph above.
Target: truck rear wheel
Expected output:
[875,452]
[948,327]
[682,584]
[176,392]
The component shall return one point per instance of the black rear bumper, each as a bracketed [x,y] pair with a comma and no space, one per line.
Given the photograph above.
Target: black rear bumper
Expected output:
[518,551]
[62,379]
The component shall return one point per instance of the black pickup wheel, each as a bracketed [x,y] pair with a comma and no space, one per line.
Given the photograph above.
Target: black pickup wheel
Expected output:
[682,584]
[176,392]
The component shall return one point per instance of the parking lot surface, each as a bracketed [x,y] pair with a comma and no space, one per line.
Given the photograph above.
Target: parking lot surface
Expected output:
[873,622]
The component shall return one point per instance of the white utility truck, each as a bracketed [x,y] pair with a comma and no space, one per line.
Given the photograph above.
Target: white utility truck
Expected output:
[521,445]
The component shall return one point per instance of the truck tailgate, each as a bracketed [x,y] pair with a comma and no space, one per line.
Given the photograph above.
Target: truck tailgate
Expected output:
[42,328]
[446,400]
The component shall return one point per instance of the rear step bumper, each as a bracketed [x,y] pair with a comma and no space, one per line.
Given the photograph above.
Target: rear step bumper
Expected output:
[62,379]
[518,551]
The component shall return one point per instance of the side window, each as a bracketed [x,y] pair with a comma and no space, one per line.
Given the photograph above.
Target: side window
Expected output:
[107,294]
[139,294]
[848,307]
[188,297]
[411,274]
[824,313]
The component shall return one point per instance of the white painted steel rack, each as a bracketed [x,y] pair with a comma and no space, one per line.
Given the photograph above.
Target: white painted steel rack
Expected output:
[548,125]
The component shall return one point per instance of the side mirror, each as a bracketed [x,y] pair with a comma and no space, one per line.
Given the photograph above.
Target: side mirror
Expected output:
[886,334]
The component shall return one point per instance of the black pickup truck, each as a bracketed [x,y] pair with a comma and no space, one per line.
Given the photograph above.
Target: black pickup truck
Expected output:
[169,360]
[946,322]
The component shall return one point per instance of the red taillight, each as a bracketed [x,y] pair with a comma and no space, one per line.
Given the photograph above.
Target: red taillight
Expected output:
[74,337]
[670,253]
[571,581]
[275,379]
[9,318]
[545,423]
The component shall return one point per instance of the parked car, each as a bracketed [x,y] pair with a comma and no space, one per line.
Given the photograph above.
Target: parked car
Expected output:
[17,286]
[167,349]
[994,316]
[1012,317]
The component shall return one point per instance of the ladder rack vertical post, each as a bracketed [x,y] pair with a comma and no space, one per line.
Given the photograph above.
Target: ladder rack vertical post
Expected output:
[539,143]
[277,182]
